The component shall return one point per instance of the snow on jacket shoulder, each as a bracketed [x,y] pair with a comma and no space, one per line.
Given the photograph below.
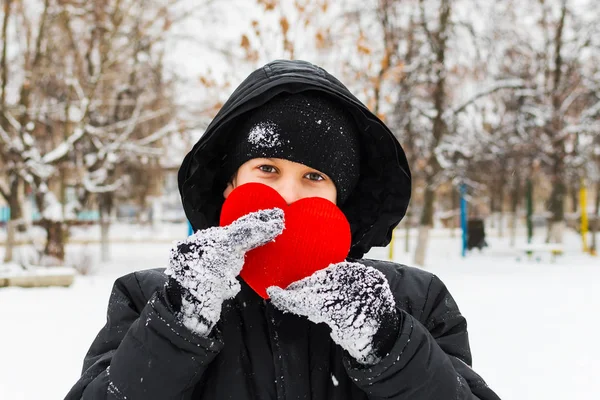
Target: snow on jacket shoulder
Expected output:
[258,352]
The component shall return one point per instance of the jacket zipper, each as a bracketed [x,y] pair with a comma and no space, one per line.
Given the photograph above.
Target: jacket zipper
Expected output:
[277,360]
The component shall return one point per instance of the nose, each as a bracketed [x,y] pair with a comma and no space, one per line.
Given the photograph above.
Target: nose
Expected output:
[289,190]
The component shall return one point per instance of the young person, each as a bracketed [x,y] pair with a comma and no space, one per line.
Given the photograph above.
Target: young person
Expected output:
[358,329]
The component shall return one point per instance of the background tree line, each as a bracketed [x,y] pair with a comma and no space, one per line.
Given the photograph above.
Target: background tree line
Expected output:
[490,94]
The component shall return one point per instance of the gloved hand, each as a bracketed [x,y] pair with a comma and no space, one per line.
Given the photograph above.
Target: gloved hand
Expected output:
[354,300]
[203,268]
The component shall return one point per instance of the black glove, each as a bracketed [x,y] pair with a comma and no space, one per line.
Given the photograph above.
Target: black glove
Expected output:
[203,268]
[354,300]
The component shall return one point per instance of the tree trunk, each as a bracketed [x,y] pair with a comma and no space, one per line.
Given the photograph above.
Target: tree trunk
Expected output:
[596,223]
[555,235]
[105,206]
[104,234]
[104,241]
[574,192]
[56,238]
[455,200]
[556,206]
[501,224]
[439,128]
[3,60]
[515,199]
[425,224]
[422,240]
[493,206]
[529,205]
[500,202]
[9,245]
[16,214]
[155,212]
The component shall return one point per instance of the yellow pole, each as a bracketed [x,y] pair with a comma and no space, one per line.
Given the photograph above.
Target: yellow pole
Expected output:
[584,219]
[391,246]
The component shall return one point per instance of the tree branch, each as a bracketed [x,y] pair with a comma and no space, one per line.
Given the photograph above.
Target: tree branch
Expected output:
[159,134]
[500,85]
[3,66]
[4,191]
[60,152]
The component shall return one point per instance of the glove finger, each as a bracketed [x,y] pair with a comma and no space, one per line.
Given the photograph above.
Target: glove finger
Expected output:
[304,302]
[256,229]
[318,278]
[286,300]
[275,294]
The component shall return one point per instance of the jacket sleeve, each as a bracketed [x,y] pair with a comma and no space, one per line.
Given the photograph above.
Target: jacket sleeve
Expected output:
[142,351]
[431,358]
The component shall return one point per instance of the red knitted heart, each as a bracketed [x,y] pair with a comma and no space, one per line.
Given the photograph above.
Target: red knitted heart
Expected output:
[316,234]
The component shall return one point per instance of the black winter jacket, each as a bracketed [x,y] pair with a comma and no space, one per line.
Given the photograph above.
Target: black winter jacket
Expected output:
[257,352]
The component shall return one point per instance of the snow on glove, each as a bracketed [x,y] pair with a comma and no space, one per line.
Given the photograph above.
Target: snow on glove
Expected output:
[355,301]
[203,268]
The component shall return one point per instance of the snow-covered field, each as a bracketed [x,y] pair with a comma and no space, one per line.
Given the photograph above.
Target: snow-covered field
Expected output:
[533,324]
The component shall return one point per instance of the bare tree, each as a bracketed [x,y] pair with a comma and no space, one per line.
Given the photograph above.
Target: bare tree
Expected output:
[92,99]
[557,47]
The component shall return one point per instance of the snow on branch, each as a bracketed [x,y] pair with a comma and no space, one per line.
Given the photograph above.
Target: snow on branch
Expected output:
[12,142]
[497,86]
[63,149]
[117,143]
[85,101]
[40,170]
[133,123]
[93,186]
[580,128]
[4,191]
[145,117]
[569,100]
[591,112]
[144,151]
[13,122]
[4,136]
[52,208]
[159,134]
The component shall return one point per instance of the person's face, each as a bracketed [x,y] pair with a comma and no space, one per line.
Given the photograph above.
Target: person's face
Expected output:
[293,181]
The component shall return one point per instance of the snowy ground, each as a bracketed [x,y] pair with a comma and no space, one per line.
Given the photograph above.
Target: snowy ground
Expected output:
[532,324]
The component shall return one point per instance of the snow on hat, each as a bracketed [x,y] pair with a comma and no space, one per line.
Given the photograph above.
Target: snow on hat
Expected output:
[308,128]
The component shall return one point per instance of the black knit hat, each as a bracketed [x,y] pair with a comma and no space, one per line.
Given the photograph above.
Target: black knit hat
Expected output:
[308,128]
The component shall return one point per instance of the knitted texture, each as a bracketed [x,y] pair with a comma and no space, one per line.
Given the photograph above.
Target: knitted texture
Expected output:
[354,300]
[307,128]
[207,263]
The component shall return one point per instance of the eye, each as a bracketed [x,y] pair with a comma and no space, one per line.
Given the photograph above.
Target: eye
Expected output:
[313,176]
[267,168]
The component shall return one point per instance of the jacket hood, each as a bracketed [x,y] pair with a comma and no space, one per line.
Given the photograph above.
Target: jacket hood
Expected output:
[382,194]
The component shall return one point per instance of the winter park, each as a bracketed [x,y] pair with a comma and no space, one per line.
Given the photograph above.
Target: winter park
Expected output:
[318,199]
